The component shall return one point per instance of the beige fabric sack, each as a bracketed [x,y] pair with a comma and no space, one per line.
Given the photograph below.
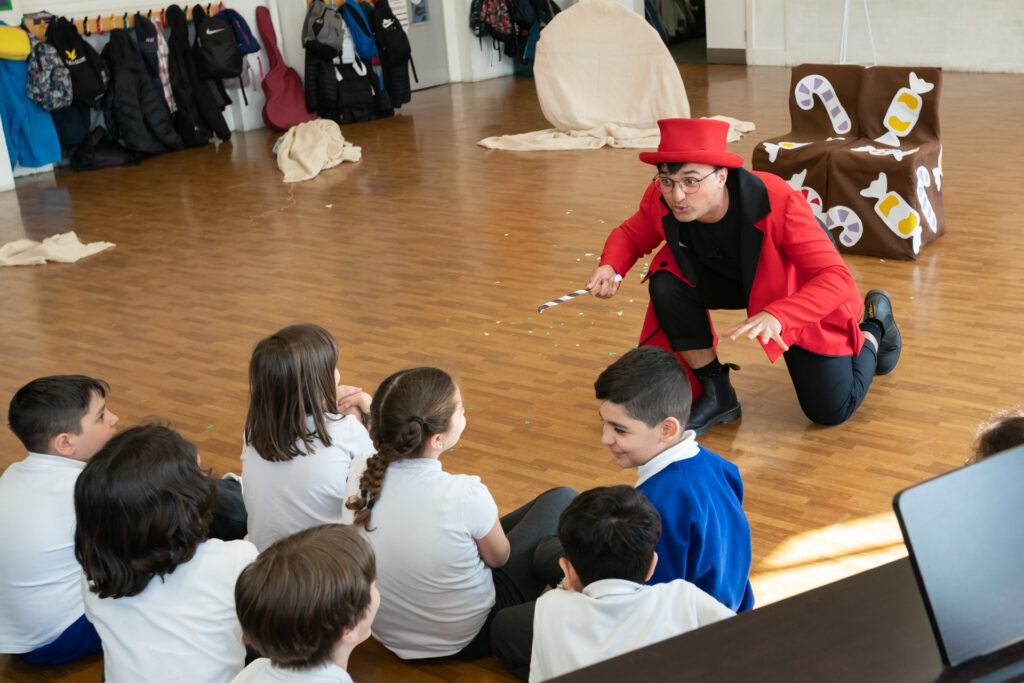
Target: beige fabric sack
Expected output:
[311,147]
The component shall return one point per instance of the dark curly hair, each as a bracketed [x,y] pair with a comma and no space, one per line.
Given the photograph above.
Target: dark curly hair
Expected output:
[142,506]
[409,407]
[301,594]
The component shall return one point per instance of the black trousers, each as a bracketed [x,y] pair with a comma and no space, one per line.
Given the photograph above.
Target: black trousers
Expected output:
[532,565]
[829,388]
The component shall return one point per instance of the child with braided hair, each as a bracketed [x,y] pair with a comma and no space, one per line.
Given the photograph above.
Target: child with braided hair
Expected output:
[446,564]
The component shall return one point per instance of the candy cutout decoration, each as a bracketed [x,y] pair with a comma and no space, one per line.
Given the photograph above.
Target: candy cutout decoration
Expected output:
[898,154]
[904,111]
[924,179]
[773,148]
[812,85]
[937,172]
[895,211]
[809,193]
[845,218]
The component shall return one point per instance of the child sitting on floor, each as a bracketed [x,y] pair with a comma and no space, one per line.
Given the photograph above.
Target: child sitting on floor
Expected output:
[306,603]
[445,562]
[299,443]
[609,534]
[705,536]
[62,421]
[159,593]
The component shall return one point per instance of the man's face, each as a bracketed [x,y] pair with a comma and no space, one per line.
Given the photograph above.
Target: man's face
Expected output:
[705,203]
[97,428]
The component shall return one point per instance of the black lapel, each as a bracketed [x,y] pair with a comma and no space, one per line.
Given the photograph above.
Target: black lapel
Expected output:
[753,206]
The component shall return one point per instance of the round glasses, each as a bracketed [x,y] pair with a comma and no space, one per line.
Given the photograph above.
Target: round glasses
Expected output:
[689,184]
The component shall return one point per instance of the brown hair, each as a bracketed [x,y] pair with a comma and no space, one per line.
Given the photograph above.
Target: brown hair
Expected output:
[49,406]
[409,407]
[1004,431]
[301,594]
[291,376]
[142,507]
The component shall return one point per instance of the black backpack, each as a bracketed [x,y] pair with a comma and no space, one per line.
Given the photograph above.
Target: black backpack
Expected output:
[216,47]
[89,74]
[392,42]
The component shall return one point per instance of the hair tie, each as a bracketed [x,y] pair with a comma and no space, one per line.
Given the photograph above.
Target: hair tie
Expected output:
[418,420]
[365,493]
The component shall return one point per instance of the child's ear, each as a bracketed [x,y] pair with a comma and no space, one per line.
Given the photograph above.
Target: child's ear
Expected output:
[650,572]
[64,444]
[350,636]
[572,579]
[669,429]
[436,442]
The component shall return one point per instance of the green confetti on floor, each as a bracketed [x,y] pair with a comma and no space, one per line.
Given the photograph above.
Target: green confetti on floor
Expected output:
[568,212]
[619,314]
[548,333]
[577,260]
[512,334]
[209,426]
[556,346]
[506,234]
[529,332]
[511,323]
[591,322]
[581,312]
[497,282]
[540,354]
[612,353]
[577,345]
[487,334]
[911,298]
[542,395]
[527,422]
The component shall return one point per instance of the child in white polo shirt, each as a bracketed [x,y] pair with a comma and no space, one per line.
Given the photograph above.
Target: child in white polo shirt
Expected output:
[609,534]
[307,602]
[63,421]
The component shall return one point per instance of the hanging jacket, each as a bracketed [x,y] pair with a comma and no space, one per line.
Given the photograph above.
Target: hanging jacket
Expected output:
[136,114]
[31,137]
[197,113]
[153,47]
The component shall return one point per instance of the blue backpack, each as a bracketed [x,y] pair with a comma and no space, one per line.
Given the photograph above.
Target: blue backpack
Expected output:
[359,29]
[246,42]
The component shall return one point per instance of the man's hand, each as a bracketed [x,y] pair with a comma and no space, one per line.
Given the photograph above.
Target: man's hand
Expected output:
[763,325]
[603,282]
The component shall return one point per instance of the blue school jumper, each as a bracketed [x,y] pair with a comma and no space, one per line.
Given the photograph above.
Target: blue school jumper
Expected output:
[705,536]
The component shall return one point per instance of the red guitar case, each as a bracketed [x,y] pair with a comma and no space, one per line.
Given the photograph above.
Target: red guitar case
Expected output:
[286,100]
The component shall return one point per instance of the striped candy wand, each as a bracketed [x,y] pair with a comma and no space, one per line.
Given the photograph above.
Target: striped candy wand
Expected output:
[567,297]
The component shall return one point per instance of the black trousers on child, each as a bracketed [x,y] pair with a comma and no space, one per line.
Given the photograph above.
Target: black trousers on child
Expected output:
[230,520]
[532,565]
[829,388]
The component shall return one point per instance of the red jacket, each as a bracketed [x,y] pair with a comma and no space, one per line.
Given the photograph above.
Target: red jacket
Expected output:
[790,266]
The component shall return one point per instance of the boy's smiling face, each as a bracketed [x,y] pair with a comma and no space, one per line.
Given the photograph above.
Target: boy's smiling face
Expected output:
[631,441]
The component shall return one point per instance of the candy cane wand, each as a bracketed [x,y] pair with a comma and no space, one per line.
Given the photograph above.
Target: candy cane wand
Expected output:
[567,297]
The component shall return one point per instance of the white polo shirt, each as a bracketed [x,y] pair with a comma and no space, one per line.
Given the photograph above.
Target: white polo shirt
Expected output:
[262,671]
[182,628]
[40,594]
[610,617]
[435,589]
[282,498]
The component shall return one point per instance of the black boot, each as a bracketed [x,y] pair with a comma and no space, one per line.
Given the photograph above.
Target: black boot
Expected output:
[878,307]
[717,402]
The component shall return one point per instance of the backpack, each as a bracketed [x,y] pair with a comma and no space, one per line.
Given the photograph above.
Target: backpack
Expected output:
[89,74]
[359,29]
[476,23]
[49,81]
[391,38]
[247,43]
[216,48]
[495,15]
[323,30]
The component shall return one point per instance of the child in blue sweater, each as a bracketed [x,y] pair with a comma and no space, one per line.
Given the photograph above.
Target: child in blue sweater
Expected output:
[705,537]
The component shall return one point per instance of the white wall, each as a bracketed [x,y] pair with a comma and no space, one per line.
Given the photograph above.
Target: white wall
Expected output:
[726,24]
[975,35]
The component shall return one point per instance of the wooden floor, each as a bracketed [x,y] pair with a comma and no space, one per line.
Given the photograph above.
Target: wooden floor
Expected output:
[435,251]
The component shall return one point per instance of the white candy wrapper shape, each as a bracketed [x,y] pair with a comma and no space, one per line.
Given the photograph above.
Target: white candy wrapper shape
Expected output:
[567,297]
[895,211]
[809,193]
[924,179]
[814,84]
[904,110]
[845,218]
[773,148]
[897,154]
[937,172]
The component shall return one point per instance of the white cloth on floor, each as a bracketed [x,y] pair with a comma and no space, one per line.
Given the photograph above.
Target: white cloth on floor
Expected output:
[610,134]
[62,248]
[311,147]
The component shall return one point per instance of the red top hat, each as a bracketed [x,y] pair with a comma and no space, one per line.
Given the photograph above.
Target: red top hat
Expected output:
[693,141]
